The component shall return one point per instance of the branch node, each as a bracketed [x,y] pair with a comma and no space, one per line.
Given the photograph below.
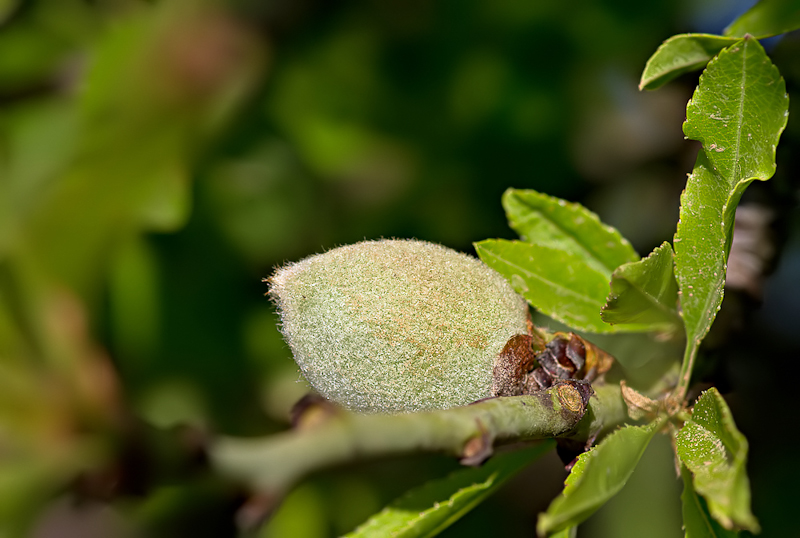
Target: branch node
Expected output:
[311,411]
[478,448]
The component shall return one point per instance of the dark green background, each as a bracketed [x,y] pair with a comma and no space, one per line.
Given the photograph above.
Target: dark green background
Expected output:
[157,159]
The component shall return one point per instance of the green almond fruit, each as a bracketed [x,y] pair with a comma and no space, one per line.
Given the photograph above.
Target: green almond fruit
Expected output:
[397,325]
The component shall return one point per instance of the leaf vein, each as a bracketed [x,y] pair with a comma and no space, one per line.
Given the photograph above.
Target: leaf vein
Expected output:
[740,119]
[576,238]
[564,290]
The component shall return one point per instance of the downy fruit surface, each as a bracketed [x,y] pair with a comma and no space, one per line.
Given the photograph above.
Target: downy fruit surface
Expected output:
[397,325]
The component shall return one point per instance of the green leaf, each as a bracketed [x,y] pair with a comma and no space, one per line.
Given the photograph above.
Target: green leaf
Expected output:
[697,521]
[556,223]
[558,283]
[644,294]
[716,453]
[700,254]
[738,113]
[597,476]
[569,532]
[767,18]
[566,261]
[428,510]
[681,54]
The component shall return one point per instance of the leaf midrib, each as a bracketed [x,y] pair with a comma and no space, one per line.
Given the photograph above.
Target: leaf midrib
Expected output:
[575,238]
[740,118]
[567,291]
[653,300]
[703,514]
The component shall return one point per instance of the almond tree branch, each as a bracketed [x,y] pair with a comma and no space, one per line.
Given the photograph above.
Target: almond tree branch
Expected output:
[272,464]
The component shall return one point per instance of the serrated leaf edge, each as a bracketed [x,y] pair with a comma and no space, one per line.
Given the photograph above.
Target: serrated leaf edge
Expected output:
[644,84]
[736,183]
[583,210]
[574,323]
[574,480]
[673,313]
[450,502]
[739,460]
[691,495]
[481,489]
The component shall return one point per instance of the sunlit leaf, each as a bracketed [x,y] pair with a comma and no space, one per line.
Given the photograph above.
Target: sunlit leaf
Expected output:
[598,475]
[556,282]
[428,510]
[681,54]
[556,223]
[714,450]
[644,294]
[738,113]
[697,521]
[767,18]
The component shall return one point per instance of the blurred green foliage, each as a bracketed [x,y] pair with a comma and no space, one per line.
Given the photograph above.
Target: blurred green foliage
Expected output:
[157,158]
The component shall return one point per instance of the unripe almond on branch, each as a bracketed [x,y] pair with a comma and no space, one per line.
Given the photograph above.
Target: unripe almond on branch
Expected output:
[395,325]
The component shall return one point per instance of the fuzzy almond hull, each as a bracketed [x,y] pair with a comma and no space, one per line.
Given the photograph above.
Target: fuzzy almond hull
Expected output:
[396,325]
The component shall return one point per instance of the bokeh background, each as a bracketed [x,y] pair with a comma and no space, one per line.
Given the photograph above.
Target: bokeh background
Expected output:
[158,158]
